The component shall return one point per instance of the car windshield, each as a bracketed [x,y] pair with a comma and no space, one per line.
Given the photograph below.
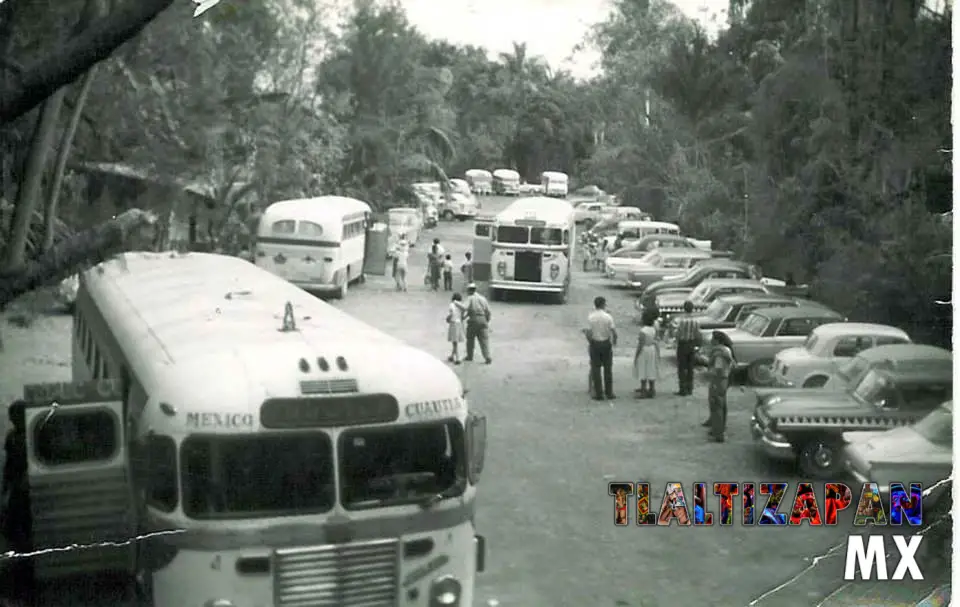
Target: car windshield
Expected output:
[700,292]
[811,342]
[513,234]
[546,236]
[257,476]
[872,389]
[401,464]
[718,310]
[937,427]
[754,324]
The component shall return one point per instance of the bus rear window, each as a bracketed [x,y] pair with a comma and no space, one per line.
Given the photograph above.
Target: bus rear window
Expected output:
[310,229]
[257,476]
[388,466]
[286,226]
[513,234]
[74,437]
[547,236]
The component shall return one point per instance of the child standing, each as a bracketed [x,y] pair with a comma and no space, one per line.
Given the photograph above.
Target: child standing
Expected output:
[447,268]
[467,268]
[455,332]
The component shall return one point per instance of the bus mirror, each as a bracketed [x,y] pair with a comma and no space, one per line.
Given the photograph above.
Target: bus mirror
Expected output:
[476,446]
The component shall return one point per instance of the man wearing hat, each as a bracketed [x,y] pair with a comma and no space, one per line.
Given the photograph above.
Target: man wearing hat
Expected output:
[478,319]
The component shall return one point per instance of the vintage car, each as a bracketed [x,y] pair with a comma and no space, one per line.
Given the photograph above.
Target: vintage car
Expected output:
[671,303]
[589,212]
[688,281]
[635,268]
[726,311]
[808,426]
[922,453]
[827,348]
[902,357]
[756,340]
[667,241]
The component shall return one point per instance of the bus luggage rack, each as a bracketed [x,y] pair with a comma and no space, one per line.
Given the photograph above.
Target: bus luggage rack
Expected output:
[345,575]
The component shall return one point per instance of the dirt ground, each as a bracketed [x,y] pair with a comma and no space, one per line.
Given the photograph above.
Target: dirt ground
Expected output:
[543,504]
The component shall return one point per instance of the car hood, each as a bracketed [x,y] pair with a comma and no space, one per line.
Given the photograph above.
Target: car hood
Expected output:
[811,402]
[898,446]
[673,299]
[627,262]
[794,355]
[783,393]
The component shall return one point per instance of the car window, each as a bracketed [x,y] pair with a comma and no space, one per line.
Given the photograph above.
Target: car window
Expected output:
[796,327]
[889,340]
[851,346]
[754,324]
[675,262]
[924,397]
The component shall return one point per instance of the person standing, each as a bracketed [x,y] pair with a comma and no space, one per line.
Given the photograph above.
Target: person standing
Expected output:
[601,334]
[467,268]
[646,360]
[401,253]
[436,262]
[455,333]
[688,338]
[447,269]
[721,365]
[478,323]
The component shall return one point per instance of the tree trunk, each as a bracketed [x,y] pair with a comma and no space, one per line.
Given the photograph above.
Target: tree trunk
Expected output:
[94,9]
[77,253]
[30,187]
[70,60]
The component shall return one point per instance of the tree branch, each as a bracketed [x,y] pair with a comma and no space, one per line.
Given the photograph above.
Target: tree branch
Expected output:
[68,61]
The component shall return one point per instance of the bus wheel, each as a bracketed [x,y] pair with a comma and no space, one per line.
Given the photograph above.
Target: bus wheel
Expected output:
[448,215]
[494,294]
[362,278]
[344,287]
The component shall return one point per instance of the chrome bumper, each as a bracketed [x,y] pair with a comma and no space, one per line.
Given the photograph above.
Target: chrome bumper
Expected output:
[780,382]
[774,449]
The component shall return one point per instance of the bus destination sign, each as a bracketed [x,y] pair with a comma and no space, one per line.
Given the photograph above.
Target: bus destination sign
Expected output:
[66,393]
[328,412]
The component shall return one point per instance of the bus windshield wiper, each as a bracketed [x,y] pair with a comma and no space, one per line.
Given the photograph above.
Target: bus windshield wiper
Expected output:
[452,491]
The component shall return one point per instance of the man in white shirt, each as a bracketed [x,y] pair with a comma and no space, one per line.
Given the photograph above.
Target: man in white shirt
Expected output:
[401,252]
[478,319]
[602,337]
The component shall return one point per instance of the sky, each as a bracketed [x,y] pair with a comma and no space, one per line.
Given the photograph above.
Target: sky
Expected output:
[550,28]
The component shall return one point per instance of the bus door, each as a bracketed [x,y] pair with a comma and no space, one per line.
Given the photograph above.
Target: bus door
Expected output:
[482,247]
[79,478]
[375,253]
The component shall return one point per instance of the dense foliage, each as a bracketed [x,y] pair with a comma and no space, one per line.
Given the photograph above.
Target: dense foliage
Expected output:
[812,137]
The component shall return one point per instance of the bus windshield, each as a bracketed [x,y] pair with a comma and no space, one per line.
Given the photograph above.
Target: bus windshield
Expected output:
[546,236]
[513,234]
[401,464]
[257,476]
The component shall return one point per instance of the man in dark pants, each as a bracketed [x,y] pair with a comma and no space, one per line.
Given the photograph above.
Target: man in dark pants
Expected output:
[602,337]
[688,338]
[477,309]
[17,519]
[721,364]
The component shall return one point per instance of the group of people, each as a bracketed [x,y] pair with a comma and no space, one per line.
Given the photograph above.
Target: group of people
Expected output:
[601,334]
[594,251]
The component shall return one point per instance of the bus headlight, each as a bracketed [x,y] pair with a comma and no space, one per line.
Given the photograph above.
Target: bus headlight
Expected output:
[445,591]
[554,271]
[502,269]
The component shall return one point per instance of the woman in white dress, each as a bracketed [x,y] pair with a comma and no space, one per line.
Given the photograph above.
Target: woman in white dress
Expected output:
[455,332]
[646,360]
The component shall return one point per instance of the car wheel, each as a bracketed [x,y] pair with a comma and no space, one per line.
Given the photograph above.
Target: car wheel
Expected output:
[760,372]
[342,291]
[817,381]
[588,223]
[448,215]
[819,459]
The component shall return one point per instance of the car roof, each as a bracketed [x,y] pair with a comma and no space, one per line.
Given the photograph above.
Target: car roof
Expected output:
[790,312]
[680,252]
[756,296]
[845,328]
[731,282]
[915,375]
[901,351]
[723,262]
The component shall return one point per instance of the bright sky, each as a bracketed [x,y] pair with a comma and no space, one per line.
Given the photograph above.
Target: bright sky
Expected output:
[550,28]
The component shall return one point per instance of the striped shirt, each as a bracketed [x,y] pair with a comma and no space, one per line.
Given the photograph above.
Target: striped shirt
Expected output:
[688,328]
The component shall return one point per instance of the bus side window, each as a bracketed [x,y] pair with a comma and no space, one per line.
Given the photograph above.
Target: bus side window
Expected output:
[161,472]
[73,437]
[566,237]
[96,363]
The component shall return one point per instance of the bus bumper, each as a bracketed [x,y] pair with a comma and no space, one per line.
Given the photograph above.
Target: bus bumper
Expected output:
[530,287]
[316,287]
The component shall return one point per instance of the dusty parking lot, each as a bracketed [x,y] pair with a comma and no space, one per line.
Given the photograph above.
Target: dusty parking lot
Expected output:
[544,505]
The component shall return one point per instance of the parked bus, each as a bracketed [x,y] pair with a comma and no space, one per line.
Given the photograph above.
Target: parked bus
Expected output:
[533,244]
[318,244]
[555,183]
[506,182]
[481,181]
[278,451]
[404,220]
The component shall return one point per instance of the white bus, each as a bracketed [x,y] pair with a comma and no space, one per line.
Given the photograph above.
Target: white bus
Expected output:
[555,183]
[318,244]
[279,451]
[506,182]
[533,244]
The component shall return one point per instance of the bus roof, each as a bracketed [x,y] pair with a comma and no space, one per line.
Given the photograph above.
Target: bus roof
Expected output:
[321,206]
[506,173]
[203,332]
[554,175]
[551,210]
[478,173]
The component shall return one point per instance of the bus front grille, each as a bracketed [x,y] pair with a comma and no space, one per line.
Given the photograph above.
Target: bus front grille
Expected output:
[329,386]
[344,575]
